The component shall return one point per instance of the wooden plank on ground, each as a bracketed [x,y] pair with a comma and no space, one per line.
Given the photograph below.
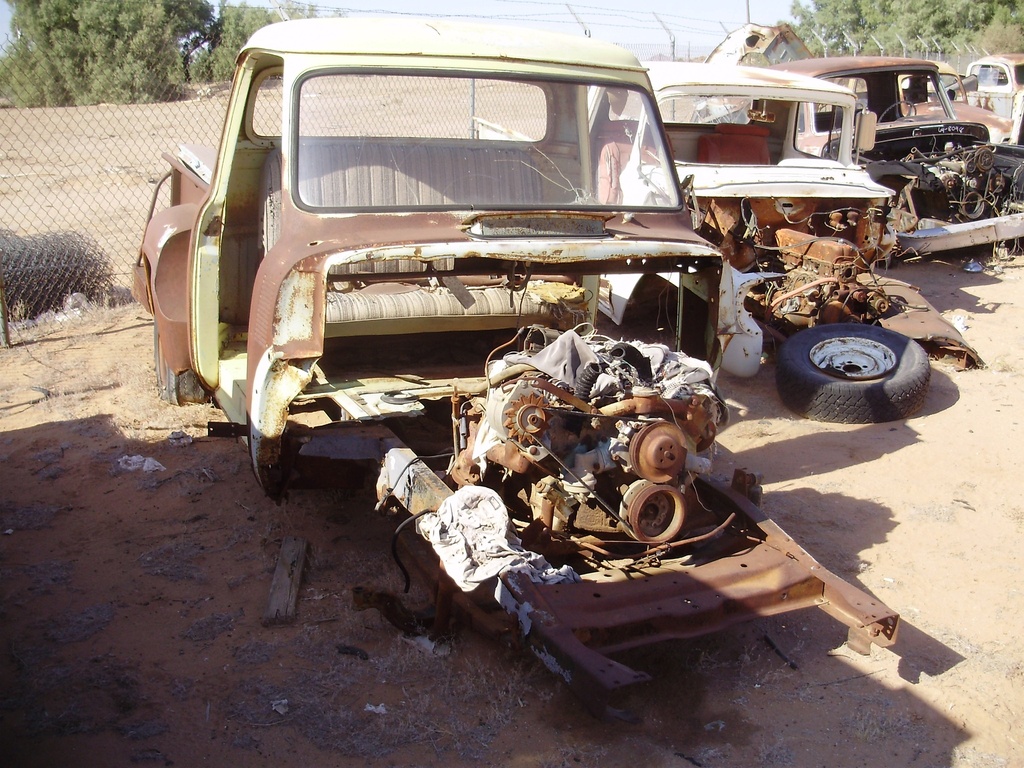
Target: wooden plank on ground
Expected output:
[284,589]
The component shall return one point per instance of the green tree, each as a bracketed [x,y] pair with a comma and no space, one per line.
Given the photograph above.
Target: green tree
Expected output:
[233,28]
[235,24]
[90,51]
[893,26]
[1004,34]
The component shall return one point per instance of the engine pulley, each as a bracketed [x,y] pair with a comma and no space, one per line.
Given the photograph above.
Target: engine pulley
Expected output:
[985,158]
[525,417]
[973,206]
[653,513]
[657,452]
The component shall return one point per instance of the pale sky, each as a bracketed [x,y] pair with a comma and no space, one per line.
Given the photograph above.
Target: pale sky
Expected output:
[701,25]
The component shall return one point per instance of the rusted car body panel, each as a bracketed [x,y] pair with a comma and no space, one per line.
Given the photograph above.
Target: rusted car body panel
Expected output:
[410,292]
[749,568]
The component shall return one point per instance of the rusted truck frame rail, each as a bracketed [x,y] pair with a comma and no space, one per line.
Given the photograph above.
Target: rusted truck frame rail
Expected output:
[751,569]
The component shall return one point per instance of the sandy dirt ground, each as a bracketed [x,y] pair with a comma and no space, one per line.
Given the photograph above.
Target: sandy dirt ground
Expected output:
[130,600]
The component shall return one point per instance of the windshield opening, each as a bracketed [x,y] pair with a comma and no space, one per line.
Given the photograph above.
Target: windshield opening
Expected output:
[422,141]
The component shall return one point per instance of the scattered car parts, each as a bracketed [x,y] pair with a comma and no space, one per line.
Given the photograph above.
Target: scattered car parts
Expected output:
[804,232]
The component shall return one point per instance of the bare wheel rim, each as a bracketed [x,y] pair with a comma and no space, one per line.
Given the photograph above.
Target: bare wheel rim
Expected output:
[851,357]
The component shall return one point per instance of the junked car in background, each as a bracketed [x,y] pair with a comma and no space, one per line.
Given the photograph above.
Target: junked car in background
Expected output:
[953,187]
[763,46]
[804,232]
[959,91]
[1000,82]
[758,45]
[957,184]
[392,268]
[1003,90]
[912,108]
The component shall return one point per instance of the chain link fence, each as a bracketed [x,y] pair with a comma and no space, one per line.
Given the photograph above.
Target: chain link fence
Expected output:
[76,186]
[77,183]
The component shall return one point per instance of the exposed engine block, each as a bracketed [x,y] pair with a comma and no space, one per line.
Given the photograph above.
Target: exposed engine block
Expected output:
[594,436]
[964,185]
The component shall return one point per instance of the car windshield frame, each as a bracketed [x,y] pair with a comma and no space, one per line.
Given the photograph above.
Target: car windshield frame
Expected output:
[470,141]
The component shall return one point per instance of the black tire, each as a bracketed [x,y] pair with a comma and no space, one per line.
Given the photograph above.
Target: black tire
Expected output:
[852,374]
[175,388]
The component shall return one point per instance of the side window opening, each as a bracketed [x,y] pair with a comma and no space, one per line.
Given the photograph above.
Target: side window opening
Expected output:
[992,76]
[242,250]
[266,107]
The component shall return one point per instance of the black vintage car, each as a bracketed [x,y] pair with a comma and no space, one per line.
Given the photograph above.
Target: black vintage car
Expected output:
[952,186]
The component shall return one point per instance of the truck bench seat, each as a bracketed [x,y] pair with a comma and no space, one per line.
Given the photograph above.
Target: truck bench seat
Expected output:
[394,308]
[355,173]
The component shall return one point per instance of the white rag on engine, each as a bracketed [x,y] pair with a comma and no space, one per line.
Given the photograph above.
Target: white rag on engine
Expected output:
[471,534]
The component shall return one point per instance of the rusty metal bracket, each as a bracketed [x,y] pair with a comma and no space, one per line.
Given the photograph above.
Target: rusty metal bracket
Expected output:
[226,429]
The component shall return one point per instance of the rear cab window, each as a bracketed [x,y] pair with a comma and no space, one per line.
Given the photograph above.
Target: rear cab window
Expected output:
[409,141]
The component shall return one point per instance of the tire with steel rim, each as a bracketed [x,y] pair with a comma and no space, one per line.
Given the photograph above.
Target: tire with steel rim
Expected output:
[852,374]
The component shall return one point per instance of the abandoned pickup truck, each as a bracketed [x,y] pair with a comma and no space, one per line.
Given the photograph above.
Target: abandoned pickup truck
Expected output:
[391,271]
[1000,82]
[804,232]
[954,189]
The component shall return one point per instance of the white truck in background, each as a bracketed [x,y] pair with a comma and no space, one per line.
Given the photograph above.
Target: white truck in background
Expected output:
[1000,80]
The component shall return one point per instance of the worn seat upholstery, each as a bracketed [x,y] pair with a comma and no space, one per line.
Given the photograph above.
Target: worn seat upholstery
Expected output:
[376,308]
[360,173]
[735,144]
[355,173]
[437,308]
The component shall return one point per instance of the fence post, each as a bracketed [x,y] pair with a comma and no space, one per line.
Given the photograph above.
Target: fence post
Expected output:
[5,338]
